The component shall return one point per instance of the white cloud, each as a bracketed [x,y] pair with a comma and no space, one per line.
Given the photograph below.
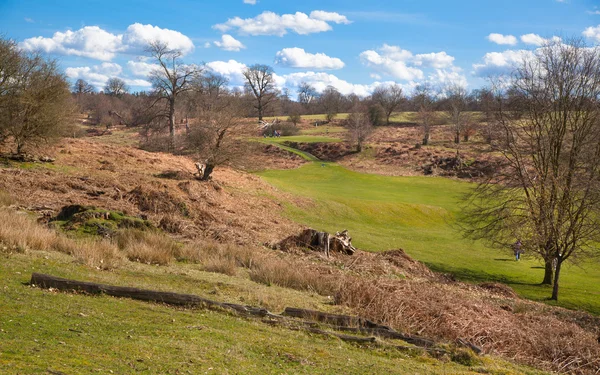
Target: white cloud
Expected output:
[502,39]
[320,81]
[98,75]
[537,40]
[392,61]
[89,41]
[232,70]
[298,58]
[594,12]
[229,43]
[498,63]
[437,60]
[592,33]
[29,20]
[404,65]
[96,43]
[251,2]
[141,68]
[269,23]
[137,37]
[329,17]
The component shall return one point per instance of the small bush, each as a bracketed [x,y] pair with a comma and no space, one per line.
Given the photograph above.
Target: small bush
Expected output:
[295,118]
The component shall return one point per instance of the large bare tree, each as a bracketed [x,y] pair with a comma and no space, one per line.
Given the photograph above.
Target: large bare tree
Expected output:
[389,98]
[171,78]
[548,193]
[261,84]
[116,87]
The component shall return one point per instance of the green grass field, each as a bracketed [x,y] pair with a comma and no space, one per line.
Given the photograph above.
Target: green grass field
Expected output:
[416,214]
[49,332]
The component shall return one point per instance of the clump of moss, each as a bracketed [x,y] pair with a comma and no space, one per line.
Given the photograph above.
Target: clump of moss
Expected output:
[90,220]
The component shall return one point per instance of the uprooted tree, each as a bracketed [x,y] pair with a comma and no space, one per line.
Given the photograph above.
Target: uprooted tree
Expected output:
[548,193]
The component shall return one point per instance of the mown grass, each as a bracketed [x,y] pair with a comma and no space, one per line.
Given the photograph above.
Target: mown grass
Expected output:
[416,214]
[45,331]
[302,154]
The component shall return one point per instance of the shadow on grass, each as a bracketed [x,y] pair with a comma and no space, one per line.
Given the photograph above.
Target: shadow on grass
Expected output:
[477,276]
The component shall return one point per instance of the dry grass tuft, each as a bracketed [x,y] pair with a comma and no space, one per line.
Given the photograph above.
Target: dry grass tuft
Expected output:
[146,246]
[6,199]
[292,275]
[19,233]
[450,312]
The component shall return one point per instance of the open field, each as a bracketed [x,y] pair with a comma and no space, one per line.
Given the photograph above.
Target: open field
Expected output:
[416,213]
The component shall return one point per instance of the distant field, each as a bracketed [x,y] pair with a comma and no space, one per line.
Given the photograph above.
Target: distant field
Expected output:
[416,213]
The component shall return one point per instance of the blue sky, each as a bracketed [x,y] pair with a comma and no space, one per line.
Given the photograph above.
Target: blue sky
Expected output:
[352,45]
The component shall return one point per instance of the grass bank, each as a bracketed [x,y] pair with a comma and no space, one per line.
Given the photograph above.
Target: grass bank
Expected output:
[415,213]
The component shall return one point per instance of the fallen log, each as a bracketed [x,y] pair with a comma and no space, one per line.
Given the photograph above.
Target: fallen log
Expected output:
[345,323]
[169,298]
[333,319]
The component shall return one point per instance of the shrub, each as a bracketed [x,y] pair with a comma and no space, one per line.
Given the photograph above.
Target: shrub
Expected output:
[295,118]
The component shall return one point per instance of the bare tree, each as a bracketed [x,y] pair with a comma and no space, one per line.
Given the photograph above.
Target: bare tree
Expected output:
[116,87]
[261,84]
[35,100]
[170,79]
[211,138]
[330,101]
[389,98]
[358,125]
[424,100]
[81,87]
[307,94]
[456,105]
[548,194]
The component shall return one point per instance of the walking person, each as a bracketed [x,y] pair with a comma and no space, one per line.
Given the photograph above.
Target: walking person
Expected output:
[518,250]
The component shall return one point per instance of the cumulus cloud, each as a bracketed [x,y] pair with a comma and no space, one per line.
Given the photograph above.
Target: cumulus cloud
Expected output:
[89,41]
[498,63]
[251,2]
[299,58]
[270,23]
[502,39]
[141,68]
[98,75]
[537,40]
[229,43]
[593,33]
[96,43]
[137,37]
[232,70]
[403,64]
[320,81]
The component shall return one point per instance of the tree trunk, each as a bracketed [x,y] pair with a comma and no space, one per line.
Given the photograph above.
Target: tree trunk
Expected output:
[172,118]
[556,278]
[426,139]
[547,272]
[466,137]
[457,138]
[358,147]
[207,171]
[260,111]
